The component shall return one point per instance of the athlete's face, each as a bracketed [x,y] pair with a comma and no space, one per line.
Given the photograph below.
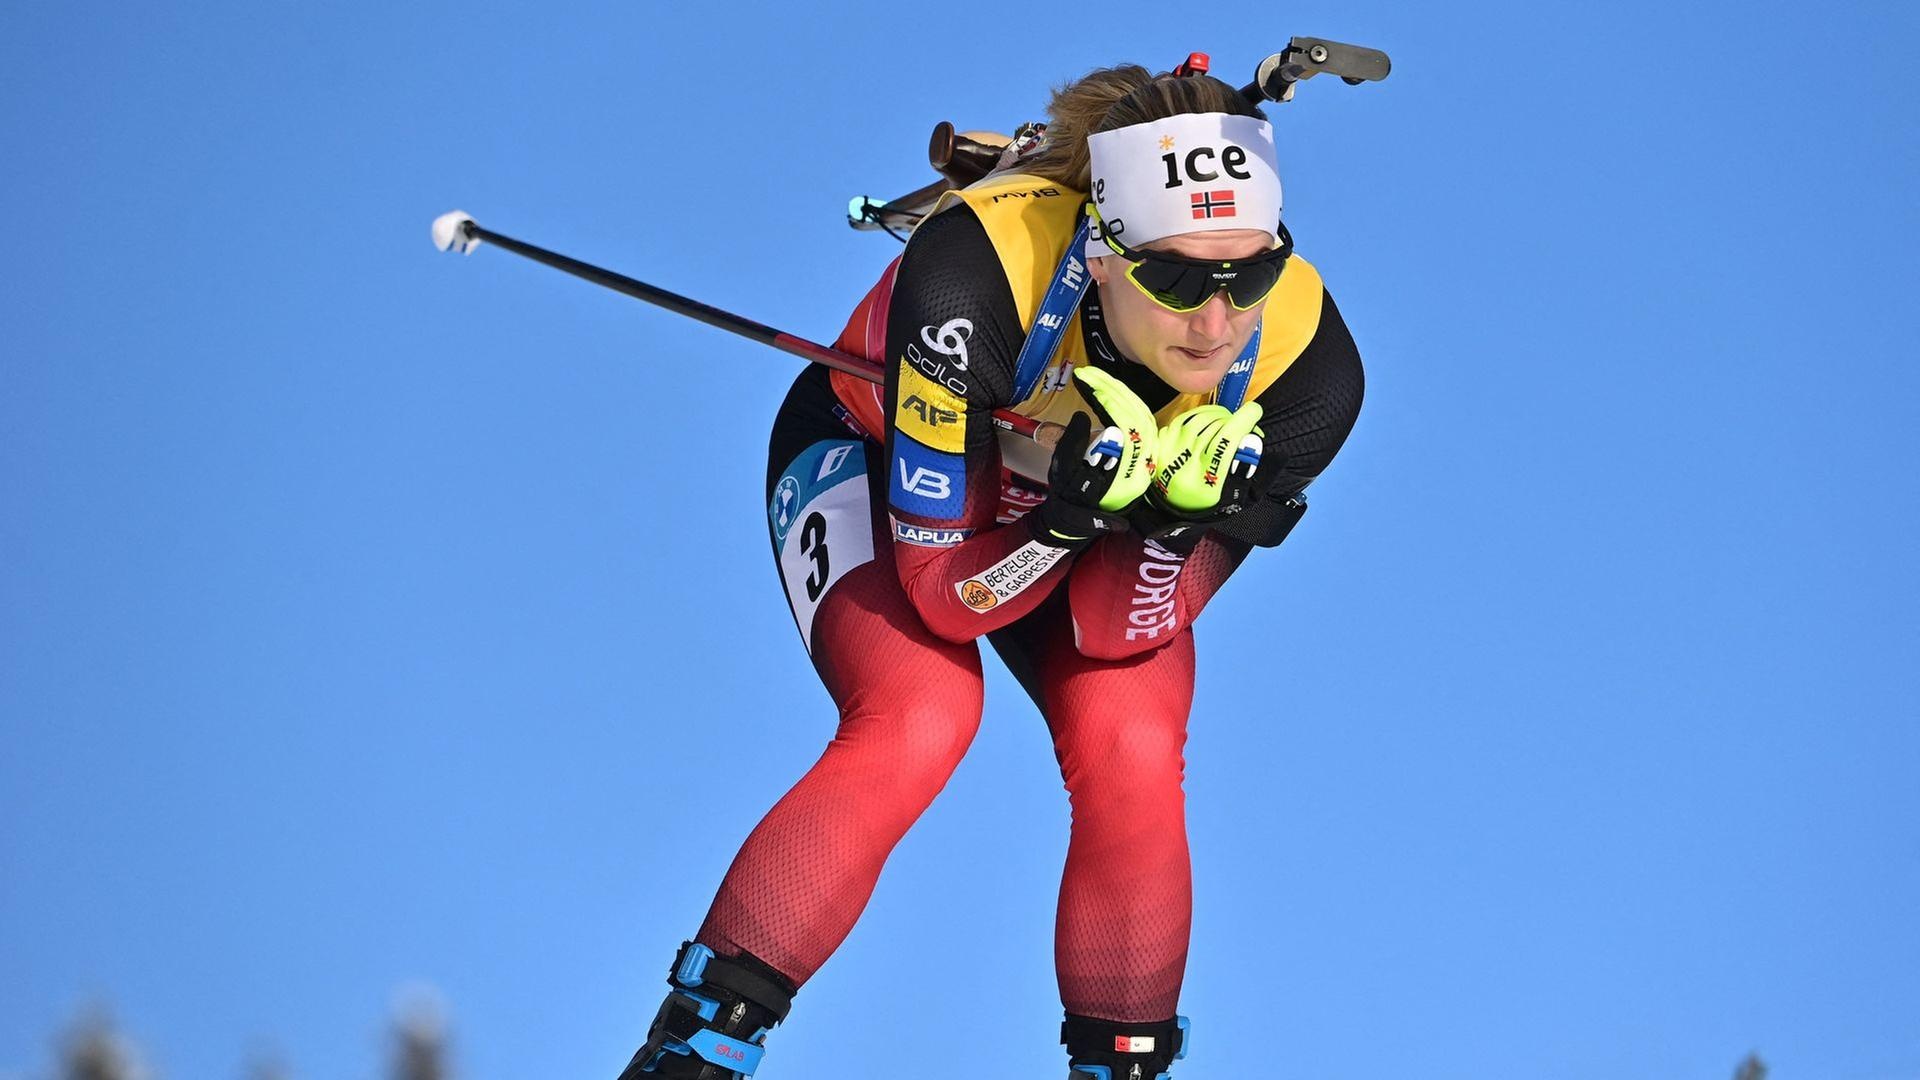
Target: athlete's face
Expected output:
[1189,350]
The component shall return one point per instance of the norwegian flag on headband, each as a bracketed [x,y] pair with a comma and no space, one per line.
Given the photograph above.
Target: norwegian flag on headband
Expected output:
[1212,204]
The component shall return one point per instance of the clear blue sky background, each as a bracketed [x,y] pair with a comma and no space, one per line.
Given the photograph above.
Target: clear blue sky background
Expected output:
[361,621]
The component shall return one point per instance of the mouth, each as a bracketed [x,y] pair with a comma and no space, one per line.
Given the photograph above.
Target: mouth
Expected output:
[1197,357]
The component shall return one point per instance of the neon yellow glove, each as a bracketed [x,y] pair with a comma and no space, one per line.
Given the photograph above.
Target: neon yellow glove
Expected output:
[1207,453]
[1128,447]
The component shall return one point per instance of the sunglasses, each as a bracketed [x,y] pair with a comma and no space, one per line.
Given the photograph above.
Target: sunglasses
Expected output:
[1182,284]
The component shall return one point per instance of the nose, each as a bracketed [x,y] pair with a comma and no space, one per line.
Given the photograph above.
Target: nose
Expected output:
[1209,320]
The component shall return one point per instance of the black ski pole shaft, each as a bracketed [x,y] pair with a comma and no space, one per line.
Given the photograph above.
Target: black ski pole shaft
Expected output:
[860,366]
[694,309]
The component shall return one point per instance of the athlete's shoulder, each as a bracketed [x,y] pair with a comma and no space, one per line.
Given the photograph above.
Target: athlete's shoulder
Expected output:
[1017,195]
[1293,308]
[952,314]
[1290,322]
[953,229]
[1028,220]
[1326,370]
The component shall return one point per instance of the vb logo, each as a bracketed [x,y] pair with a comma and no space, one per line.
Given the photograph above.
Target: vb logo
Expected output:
[924,482]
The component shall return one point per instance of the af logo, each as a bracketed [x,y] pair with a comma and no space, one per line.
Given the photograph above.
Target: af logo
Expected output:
[930,415]
[784,499]
[1057,378]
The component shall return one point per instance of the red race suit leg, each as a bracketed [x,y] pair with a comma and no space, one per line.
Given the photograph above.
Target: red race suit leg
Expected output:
[909,703]
[1119,729]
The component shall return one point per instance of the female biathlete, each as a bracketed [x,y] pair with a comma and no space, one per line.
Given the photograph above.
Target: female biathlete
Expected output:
[1223,381]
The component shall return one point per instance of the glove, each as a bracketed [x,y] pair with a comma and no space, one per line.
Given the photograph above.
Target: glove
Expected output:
[1079,481]
[1130,437]
[1208,457]
[1088,490]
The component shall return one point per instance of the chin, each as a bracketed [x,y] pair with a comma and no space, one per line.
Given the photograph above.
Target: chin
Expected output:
[1187,379]
[1193,384]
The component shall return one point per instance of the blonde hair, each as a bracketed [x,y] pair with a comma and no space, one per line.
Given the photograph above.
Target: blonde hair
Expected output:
[1117,97]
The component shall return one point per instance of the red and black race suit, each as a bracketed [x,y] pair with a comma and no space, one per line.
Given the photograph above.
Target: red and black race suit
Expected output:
[898,552]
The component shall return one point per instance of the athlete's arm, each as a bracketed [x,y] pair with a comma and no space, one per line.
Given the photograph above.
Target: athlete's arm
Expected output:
[1129,595]
[953,333]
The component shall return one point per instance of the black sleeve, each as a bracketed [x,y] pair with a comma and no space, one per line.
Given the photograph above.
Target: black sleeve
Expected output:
[1308,412]
[951,270]
[953,335]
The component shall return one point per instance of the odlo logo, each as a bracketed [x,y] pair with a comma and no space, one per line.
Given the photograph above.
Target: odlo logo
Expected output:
[977,596]
[950,340]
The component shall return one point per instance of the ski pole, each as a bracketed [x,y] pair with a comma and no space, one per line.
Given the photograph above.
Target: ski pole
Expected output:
[455,231]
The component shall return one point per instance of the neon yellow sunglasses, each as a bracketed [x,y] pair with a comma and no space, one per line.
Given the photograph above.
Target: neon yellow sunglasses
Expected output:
[1182,284]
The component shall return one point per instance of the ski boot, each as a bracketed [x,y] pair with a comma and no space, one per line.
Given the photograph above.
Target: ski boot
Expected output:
[1115,1050]
[715,1020]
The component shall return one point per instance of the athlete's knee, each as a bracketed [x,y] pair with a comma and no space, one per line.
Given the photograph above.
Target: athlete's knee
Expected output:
[909,738]
[1130,759]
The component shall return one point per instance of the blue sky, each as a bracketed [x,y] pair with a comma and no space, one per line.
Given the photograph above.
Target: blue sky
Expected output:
[365,622]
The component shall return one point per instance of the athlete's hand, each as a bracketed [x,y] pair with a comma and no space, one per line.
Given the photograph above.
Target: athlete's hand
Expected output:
[1090,489]
[1078,482]
[1129,439]
[1208,458]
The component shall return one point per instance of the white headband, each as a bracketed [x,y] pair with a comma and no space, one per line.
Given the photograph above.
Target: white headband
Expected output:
[1189,173]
